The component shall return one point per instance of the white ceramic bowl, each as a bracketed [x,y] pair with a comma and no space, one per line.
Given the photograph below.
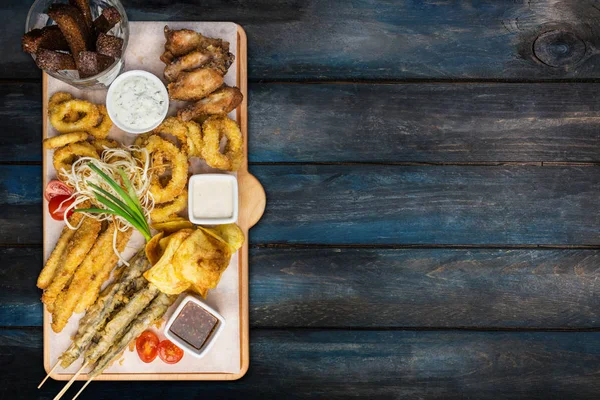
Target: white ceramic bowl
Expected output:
[211,339]
[111,93]
[208,178]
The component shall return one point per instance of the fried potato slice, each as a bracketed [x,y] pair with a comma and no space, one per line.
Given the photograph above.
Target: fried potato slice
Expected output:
[163,274]
[173,225]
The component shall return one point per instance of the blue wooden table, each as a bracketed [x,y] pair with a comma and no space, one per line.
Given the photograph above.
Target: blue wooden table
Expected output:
[432,174]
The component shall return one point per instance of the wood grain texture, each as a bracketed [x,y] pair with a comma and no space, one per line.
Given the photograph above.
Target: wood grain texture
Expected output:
[370,288]
[369,39]
[437,123]
[350,204]
[359,364]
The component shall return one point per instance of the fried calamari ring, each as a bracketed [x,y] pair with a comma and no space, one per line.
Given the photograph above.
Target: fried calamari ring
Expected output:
[179,168]
[169,211]
[195,142]
[213,130]
[176,128]
[64,157]
[90,117]
[101,130]
[101,144]
[64,139]
[61,97]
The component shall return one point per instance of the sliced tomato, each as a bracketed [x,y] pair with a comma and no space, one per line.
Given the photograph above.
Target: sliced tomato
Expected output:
[147,346]
[169,352]
[56,188]
[58,205]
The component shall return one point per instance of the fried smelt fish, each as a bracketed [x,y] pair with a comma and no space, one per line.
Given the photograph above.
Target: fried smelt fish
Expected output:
[222,101]
[78,247]
[195,85]
[114,329]
[111,299]
[47,274]
[101,272]
[152,313]
[182,41]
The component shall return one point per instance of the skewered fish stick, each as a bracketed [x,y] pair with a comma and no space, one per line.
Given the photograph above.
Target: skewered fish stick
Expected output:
[49,269]
[111,299]
[153,312]
[115,328]
[101,272]
[79,245]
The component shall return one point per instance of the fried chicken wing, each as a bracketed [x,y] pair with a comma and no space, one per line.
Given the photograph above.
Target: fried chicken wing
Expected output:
[221,101]
[212,56]
[183,41]
[195,85]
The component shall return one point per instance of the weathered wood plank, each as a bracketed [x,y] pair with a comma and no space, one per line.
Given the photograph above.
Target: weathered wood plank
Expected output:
[349,204]
[369,288]
[383,123]
[342,364]
[369,39]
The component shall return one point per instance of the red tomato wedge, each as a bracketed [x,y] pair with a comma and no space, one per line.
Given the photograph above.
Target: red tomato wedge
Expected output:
[169,352]
[56,188]
[58,205]
[147,346]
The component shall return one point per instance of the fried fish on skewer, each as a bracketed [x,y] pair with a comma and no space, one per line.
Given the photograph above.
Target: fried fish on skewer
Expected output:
[114,329]
[221,102]
[102,272]
[182,41]
[52,264]
[131,281]
[195,85]
[79,245]
[152,313]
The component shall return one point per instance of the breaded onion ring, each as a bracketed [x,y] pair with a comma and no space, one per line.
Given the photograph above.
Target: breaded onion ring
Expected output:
[101,144]
[195,142]
[90,117]
[64,139]
[179,168]
[61,97]
[101,130]
[213,129]
[168,211]
[64,157]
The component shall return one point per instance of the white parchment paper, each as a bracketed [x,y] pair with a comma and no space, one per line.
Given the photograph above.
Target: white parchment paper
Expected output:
[146,44]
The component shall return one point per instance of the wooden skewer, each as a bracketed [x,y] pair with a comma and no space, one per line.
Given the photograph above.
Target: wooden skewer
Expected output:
[68,385]
[50,373]
[83,387]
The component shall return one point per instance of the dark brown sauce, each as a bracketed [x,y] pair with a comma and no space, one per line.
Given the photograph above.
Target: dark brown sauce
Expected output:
[194,325]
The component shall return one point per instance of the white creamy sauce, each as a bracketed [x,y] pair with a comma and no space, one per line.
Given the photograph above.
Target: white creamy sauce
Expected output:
[212,199]
[138,102]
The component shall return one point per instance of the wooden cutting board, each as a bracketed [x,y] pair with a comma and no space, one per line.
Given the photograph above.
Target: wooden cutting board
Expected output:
[252,201]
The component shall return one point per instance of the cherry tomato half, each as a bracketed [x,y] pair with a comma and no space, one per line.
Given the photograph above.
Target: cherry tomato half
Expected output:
[58,205]
[169,352]
[56,188]
[147,346]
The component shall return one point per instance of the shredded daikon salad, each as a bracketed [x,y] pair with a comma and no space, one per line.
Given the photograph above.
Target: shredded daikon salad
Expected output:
[137,169]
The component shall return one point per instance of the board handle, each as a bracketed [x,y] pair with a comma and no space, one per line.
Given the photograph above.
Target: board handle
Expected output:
[253,199]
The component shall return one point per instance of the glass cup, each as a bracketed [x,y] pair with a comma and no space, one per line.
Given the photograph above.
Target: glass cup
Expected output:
[37,18]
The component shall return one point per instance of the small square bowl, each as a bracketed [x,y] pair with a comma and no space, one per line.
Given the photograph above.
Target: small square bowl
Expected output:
[208,178]
[211,339]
